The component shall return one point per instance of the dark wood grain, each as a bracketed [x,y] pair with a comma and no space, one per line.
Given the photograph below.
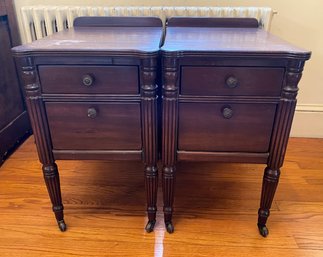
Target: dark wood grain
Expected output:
[106,79]
[212,22]
[13,134]
[117,22]
[112,41]
[213,81]
[116,126]
[3,9]
[240,157]
[12,18]
[170,80]
[37,114]
[92,94]
[283,124]
[149,95]
[10,105]
[113,155]
[14,123]
[234,42]
[237,99]
[248,130]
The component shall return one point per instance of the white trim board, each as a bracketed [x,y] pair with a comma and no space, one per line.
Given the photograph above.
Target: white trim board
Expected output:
[308,121]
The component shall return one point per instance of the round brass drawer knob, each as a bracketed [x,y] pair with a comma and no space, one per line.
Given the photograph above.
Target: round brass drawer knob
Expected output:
[227,112]
[87,80]
[92,113]
[232,82]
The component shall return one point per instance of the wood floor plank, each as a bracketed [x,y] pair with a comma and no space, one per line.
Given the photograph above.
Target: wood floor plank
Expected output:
[215,208]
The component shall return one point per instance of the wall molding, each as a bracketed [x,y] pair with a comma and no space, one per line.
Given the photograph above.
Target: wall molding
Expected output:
[309,108]
[308,121]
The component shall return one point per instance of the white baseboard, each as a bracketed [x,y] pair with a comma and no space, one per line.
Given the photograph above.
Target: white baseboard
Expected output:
[308,121]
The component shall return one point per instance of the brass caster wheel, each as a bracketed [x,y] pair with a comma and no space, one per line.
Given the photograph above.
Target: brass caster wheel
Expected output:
[263,230]
[150,226]
[169,227]
[61,225]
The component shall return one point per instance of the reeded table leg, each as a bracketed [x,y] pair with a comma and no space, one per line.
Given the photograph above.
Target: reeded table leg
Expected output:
[270,182]
[151,183]
[150,137]
[168,194]
[277,150]
[37,114]
[51,177]
[169,134]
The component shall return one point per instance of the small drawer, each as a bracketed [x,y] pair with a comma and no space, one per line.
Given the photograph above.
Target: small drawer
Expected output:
[62,79]
[231,81]
[225,127]
[94,126]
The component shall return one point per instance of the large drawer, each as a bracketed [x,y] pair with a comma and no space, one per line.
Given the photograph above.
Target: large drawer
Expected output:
[225,127]
[61,79]
[94,126]
[259,81]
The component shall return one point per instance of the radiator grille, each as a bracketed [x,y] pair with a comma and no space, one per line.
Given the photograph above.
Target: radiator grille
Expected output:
[40,21]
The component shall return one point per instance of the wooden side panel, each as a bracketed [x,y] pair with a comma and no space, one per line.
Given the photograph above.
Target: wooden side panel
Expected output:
[13,28]
[14,122]
[10,97]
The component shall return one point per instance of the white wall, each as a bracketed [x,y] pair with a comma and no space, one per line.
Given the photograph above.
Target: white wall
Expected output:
[299,22]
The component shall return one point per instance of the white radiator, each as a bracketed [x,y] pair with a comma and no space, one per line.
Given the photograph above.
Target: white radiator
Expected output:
[40,21]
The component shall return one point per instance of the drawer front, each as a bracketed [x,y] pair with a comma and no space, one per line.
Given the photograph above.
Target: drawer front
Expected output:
[231,81]
[62,79]
[225,127]
[94,126]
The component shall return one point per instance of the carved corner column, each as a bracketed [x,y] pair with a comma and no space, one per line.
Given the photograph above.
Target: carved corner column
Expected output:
[170,68]
[150,136]
[37,114]
[282,127]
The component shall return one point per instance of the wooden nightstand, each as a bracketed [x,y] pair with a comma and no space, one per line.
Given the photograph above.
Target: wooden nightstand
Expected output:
[91,93]
[229,95]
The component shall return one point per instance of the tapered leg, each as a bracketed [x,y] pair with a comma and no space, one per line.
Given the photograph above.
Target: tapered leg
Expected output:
[37,115]
[51,177]
[279,139]
[149,98]
[170,71]
[151,183]
[168,194]
[269,185]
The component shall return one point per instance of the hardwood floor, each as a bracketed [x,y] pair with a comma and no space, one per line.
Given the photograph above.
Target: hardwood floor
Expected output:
[216,212]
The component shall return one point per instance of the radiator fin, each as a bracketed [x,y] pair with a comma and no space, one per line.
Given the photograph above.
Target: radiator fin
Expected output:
[40,21]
